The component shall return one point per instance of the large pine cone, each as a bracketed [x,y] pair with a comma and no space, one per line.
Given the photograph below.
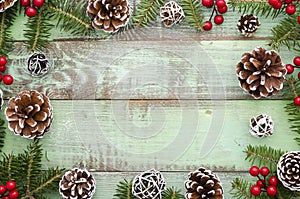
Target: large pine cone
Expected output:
[202,184]
[5,4]
[77,184]
[261,73]
[1,99]
[288,170]
[29,114]
[108,15]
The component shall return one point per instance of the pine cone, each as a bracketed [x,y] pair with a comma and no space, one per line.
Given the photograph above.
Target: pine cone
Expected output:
[261,126]
[77,184]
[5,4]
[288,170]
[29,114]
[248,25]
[148,185]
[203,183]
[261,73]
[1,99]
[171,13]
[108,15]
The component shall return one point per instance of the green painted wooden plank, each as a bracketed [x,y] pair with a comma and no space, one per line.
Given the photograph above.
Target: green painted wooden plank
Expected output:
[170,135]
[167,69]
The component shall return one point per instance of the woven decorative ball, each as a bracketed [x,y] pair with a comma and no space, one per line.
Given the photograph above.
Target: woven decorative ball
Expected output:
[148,185]
[171,13]
[261,126]
[1,99]
[76,184]
[288,170]
[38,65]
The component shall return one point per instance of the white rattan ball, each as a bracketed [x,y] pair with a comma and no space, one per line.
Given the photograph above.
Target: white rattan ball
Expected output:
[261,126]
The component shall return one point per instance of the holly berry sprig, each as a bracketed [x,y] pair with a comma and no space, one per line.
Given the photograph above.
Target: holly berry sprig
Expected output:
[9,190]
[7,79]
[290,69]
[219,8]
[31,7]
[290,5]
[261,184]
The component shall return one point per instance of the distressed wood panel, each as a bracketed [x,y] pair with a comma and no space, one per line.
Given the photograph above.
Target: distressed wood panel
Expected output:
[167,69]
[170,135]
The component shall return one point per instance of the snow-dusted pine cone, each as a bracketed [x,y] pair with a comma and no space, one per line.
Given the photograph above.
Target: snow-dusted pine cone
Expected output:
[108,15]
[5,4]
[29,114]
[261,72]
[203,183]
[288,170]
[248,25]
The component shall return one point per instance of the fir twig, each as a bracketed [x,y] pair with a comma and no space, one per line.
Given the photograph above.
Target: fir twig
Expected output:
[193,14]
[123,190]
[240,189]
[172,193]
[2,133]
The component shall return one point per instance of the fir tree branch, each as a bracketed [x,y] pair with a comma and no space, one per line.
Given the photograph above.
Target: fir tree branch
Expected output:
[193,14]
[240,189]
[10,159]
[2,133]
[123,190]
[172,193]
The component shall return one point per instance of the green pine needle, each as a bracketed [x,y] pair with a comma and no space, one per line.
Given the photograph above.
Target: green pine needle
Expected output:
[240,189]
[172,193]
[147,11]
[123,190]
[2,133]
[193,13]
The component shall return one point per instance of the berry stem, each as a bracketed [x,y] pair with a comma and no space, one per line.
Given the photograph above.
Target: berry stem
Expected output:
[291,83]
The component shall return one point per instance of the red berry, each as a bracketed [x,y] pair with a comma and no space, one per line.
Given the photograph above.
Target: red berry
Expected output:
[220,3]
[30,11]
[271,190]
[207,26]
[273,2]
[208,3]
[10,185]
[297,61]
[298,19]
[277,6]
[288,1]
[2,189]
[289,68]
[223,9]
[260,183]
[298,75]
[2,60]
[38,3]
[5,197]
[255,190]
[2,68]
[13,194]
[1,77]
[218,19]
[254,171]
[290,9]
[25,3]
[8,80]
[273,180]
[264,171]
[297,101]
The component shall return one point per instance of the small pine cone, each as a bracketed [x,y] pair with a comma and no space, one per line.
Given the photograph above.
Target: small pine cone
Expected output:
[148,185]
[29,114]
[203,183]
[171,13]
[248,25]
[77,184]
[108,15]
[261,72]
[1,99]
[5,4]
[261,126]
[288,170]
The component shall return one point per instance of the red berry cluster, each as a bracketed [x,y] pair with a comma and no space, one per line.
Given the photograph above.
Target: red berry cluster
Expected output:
[289,9]
[7,79]
[31,8]
[219,7]
[261,184]
[10,187]
[290,69]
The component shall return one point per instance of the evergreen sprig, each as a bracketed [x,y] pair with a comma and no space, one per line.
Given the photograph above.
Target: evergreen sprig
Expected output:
[147,11]
[193,13]
[240,189]
[172,193]
[2,133]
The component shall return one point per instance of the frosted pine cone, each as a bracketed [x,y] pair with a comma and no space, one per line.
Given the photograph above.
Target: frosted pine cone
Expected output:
[203,183]
[29,114]
[261,72]
[248,25]
[288,170]
[5,4]
[171,13]
[77,184]
[261,126]
[108,15]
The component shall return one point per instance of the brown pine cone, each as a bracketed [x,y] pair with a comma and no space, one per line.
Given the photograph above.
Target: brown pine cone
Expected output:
[248,24]
[203,183]
[29,114]
[77,183]
[5,4]
[288,170]
[108,15]
[261,72]
[1,99]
